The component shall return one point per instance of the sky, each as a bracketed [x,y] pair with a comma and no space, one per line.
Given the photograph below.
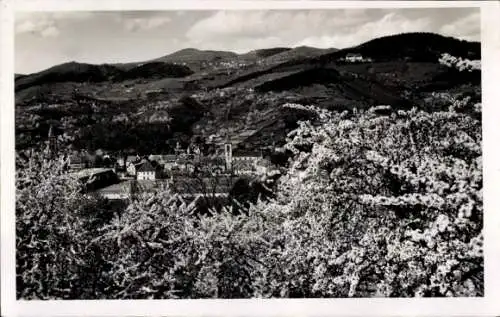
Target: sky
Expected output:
[45,39]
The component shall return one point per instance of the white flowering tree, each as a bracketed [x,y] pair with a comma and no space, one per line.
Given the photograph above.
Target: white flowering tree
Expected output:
[161,248]
[380,206]
[54,225]
[459,63]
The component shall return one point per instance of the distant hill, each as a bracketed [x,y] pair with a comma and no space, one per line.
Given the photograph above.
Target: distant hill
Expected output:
[156,70]
[298,53]
[421,47]
[190,55]
[201,68]
[68,72]
[393,57]
[262,53]
[82,72]
[150,105]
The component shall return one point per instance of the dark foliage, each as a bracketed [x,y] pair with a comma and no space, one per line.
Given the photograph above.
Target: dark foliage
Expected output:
[418,46]
[155,70]
[307,77]
[68,72]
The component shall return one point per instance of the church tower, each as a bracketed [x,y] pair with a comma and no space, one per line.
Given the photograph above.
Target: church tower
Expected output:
[228,155]
[52,145]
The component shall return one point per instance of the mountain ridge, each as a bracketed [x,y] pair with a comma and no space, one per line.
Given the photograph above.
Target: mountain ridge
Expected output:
[157,101]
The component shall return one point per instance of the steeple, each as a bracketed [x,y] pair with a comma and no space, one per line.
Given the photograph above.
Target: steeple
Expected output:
[228,153]
[52,145]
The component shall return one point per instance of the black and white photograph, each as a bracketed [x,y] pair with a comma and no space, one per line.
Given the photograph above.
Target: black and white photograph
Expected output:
[323,153]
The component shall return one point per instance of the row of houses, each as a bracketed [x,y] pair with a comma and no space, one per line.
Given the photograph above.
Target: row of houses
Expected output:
[161,166]
[105,181]
[157,166]
[187,173]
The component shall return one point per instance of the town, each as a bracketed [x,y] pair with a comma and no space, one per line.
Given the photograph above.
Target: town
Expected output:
[187,172]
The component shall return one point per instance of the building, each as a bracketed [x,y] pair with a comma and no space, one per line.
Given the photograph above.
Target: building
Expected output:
[212,165]
[146,171]
[185,164]
[94,178]
[122,174]
[167,161]
[131,164]
[130,188]
[131,168]
[244,167]
[88,173]
[118,191]
[353,57]
[120,162]
[228,155]
[76,162]
[51,150]
[132,159]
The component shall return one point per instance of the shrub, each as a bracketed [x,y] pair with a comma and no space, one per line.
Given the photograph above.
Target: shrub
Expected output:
[54,225]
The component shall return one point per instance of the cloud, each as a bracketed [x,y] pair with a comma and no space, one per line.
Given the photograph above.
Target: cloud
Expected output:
[266,26]
[468,27]
[51,31]
[229,23]
[389,24]
[138,24]
[256,23]
[321,28]
[43,27]
[46,24]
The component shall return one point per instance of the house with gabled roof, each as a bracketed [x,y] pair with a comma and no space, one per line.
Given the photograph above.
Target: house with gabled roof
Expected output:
[146,171]
[132,159]
[131,164]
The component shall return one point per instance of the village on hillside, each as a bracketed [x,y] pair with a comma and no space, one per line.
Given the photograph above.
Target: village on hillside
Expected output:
[187,172]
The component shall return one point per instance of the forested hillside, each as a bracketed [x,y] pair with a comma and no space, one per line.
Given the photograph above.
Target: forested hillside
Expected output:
[141,101]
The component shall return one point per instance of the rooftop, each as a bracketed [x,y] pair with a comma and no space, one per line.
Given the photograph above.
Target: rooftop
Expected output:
[132,158]
[163,157]
[76,159]
[243,165]
[90,171]
[146,167]
[123,187]
[150,185]
[189,185]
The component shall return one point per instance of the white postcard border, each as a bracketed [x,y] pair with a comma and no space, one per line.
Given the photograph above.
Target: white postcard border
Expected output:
[486,306]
